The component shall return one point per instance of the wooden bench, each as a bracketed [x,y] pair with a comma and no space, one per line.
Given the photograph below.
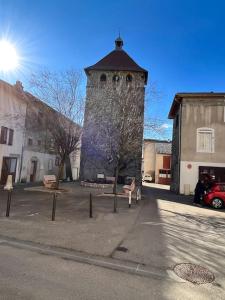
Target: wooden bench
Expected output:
[49,181]
[129,188]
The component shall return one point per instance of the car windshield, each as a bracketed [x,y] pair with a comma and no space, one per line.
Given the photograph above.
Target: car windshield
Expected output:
[219,187]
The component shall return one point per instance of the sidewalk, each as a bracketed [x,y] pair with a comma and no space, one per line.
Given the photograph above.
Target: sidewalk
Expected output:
[30,219]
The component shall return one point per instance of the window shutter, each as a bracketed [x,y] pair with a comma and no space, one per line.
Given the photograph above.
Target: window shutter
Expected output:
[205,140]
[3,138]
[11,132]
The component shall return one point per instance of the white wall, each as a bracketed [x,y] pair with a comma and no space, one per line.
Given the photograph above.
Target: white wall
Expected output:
[75,164]
[43,164]
[149,158]
[190,175]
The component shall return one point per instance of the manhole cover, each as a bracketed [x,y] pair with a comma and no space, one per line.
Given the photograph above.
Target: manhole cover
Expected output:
[122,249]
[194,273]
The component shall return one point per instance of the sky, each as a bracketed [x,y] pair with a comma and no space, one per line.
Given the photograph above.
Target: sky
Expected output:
[180,43]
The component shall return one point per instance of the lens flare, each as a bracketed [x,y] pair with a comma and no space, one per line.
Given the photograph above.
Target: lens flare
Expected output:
[9,59]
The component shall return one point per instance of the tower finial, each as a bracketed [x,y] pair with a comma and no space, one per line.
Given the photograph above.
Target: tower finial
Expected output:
[119,43]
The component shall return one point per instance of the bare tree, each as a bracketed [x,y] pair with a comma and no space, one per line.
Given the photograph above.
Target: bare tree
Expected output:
[62,112]
[155,126]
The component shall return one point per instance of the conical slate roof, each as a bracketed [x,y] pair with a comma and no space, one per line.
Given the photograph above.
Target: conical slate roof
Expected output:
[117,60]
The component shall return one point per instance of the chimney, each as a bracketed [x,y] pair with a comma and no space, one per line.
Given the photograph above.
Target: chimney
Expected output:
[19,86]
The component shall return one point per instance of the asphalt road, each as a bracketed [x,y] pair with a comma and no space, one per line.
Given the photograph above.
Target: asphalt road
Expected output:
[28,275]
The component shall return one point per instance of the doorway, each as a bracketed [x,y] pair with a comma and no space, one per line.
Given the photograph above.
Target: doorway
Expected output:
[8,168]
[33,170]
[217,173]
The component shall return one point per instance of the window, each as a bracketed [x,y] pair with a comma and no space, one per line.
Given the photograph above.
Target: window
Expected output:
[13,162]
[3,138]
[52,143]
[103,77]
[205,140]
[222,187]
[116,78]
[129,78]
[10,141]
[30,142]
[40,117]
[166,162]
[57,161]
[50,165]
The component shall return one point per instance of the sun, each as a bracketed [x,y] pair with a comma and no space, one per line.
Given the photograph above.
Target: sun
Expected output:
[9,59]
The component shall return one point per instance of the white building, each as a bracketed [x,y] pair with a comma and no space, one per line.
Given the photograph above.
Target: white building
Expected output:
[12,126]
[25,150]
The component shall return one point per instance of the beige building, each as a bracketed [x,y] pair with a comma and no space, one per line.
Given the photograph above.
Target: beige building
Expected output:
[198,144]
[157,160]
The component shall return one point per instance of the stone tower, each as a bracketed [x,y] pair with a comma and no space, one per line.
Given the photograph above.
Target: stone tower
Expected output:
[114,116]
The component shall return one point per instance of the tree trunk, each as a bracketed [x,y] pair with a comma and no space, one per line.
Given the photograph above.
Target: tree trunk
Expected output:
[59,175]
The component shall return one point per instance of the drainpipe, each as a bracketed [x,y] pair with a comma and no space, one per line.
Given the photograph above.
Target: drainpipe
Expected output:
[179,152]
[22,150]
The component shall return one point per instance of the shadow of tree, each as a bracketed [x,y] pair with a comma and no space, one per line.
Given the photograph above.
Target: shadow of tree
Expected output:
[195,235]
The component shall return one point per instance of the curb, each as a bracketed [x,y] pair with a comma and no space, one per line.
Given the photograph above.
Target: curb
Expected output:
[104,262]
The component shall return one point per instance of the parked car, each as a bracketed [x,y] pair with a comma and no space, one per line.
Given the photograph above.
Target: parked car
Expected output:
[147,178]
[215,196]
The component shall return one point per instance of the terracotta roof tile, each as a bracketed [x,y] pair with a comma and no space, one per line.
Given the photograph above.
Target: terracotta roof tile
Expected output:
[117,60]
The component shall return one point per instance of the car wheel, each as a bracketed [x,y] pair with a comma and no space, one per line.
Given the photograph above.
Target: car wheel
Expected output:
[217,203]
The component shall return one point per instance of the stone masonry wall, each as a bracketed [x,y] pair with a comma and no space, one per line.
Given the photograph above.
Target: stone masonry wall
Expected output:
[110,104]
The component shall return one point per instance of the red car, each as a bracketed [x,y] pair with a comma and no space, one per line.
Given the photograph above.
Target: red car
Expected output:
[216,195]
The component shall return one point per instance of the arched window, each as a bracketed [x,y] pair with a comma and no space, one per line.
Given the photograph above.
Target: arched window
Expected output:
[205,140]
[129,78]
[103,77]
[116,78]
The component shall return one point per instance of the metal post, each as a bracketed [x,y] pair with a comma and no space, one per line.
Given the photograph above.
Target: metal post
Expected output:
[8,203]
[129,199]
[54,206]
[90,206]
[138,195]
[115,204]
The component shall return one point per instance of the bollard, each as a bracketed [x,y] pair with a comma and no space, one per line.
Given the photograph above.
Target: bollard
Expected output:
[8,203]
[129,199]
[138,196]
[54,206]
[90,206]
[115,204]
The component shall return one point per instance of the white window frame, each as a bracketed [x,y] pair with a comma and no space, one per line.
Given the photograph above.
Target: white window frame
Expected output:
[211,148]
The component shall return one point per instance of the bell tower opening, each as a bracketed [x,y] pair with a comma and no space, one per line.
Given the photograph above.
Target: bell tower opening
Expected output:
[119,43]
